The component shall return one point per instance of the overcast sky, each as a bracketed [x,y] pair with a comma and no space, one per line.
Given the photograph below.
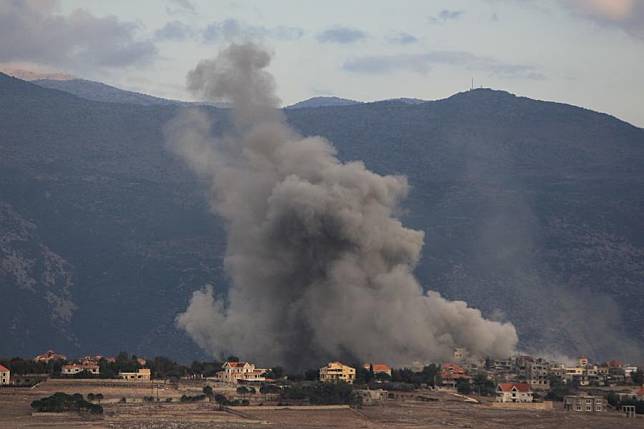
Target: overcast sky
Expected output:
[584,52]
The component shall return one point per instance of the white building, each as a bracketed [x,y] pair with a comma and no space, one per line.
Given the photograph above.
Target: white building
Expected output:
[74,368]
[5,376]
[235,372]
[142,374]
[514,392]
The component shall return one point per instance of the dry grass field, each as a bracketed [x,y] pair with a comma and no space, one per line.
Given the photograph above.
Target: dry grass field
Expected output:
[448,412]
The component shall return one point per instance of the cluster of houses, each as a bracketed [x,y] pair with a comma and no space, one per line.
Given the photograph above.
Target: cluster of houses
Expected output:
[87,364]
[517,378]
[537,372]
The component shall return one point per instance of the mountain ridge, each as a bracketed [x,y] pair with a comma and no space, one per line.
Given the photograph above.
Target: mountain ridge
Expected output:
[531,211]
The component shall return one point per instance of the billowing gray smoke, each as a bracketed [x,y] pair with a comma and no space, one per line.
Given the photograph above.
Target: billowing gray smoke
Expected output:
[321,267]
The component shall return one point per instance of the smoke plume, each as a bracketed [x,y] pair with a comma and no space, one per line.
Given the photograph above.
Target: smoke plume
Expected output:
[321,267]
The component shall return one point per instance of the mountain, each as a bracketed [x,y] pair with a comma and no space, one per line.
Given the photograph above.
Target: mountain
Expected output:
[323,102]
[32,75]
[98,91]
[532,212]
[407,100]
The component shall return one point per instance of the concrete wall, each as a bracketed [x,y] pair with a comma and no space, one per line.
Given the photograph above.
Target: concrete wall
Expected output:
[546,405]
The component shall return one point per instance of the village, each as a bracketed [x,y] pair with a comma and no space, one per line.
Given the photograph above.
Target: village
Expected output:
[518,384]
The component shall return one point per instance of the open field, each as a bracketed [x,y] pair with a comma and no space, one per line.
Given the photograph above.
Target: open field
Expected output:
[448,411]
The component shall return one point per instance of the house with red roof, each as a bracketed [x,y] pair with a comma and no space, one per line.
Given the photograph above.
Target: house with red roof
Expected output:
[451,372]
[639,394]
[5,376]
[241,372]
[514,392]
[378,368]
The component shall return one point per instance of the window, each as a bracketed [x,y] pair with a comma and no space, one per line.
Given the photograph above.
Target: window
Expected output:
[578,406]
[589,407]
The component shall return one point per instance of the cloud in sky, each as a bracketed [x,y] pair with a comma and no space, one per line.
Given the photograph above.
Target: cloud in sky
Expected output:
[174,30]
[446,15]
[32,32]
[342,35]
[423,62]
[180,6]
[233,30]
[402,39]
[627,15]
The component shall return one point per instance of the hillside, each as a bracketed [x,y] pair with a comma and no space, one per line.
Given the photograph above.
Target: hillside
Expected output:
[532,212]
[98,91]
[322,102]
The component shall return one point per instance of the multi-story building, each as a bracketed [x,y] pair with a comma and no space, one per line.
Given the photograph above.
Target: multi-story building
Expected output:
[236,372]
[75,368]
[584,403]
[49,356]
[534,371]
[514,392]
[459,354]
[335,372]
[143,374]
[5,376]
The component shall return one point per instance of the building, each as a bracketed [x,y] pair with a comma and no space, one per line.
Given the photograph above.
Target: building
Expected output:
[75,368]
[535,371]
[459,354]
[451,372]
[5,376]
[142,374]
[584,404]
[96,359]
[378,368]
[514,392]
[241,372]
[629,371]
[49,356]
[28,380]
[335,372]
[639,393]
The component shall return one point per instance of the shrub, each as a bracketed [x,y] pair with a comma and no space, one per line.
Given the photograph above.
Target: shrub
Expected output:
[60,402]
[186,398]
[321,393]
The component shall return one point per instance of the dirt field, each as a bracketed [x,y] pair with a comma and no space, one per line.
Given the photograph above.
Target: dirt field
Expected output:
[447,412]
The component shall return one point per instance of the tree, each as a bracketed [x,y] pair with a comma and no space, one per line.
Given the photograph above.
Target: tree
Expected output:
[99,397]
[638,377]
[612,399]
[558,389]
[363,375]
[269,388]
[220,399]
[483,386]
[463,386]
[311,374]
[382,376]
[207,390]
[90,397]
[232,358]
[275,373]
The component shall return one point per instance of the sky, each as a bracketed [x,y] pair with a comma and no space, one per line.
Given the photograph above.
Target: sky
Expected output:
[588,53]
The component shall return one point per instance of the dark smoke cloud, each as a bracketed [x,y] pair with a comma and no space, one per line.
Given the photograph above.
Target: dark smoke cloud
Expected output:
[321,267]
